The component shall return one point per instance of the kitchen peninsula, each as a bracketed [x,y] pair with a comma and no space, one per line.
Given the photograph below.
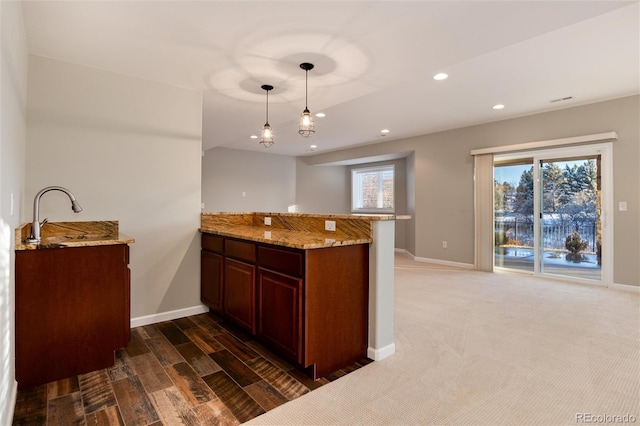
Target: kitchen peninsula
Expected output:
[316,288]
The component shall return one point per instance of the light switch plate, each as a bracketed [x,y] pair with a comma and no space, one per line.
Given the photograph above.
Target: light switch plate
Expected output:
[622,206]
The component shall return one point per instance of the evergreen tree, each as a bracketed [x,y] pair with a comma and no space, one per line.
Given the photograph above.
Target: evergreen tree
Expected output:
[502,192]
[553,181]
[579,193]
[524,194]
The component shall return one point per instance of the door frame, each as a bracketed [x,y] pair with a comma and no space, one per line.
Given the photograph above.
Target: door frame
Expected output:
[605,150]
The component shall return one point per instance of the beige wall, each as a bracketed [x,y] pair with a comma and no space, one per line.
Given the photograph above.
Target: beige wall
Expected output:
[274,182]
[130,150]
[13,95]
[268,181]
[322,189]
[443,171]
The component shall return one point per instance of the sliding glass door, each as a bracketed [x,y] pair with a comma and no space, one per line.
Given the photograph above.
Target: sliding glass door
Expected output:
[570,221]
[513,214]
[548,212]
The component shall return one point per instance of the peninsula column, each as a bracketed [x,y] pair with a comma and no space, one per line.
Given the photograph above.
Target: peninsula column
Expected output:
[381,288]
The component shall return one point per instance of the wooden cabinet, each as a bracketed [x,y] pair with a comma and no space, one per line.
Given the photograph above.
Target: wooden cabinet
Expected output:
[211,276]
[311,306]
[336,307]
[239,293]
[212,271]
[72,311]
[279,306]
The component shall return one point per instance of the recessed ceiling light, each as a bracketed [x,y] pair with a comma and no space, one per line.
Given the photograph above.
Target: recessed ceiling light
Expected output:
[253,137]
[384,131]
[313,146]
[441,76]
[321,114]
[498,106]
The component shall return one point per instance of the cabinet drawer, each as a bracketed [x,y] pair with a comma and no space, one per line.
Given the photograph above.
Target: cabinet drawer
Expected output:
[240,250]
[212,242]
[285,261]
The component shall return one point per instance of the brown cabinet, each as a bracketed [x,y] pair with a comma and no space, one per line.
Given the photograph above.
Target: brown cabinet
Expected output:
[239,293]
[279,306]
[211,275]
[311,306]
[72,311]
[212,271]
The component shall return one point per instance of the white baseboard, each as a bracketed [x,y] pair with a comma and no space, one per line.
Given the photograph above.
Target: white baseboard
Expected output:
[625,287]
[443,262]
[382,353]
[614,286]
[168,316]
[11,405]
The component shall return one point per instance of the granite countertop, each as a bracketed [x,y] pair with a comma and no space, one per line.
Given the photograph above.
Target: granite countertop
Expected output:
[304,240]
[72,234]
[296,230]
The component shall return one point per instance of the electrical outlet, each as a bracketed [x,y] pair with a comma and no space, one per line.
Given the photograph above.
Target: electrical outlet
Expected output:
[267,220]
[622,206]
[329,225]
[444,244]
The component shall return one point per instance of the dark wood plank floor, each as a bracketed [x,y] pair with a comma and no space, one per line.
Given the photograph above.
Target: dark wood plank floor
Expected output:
[198,370]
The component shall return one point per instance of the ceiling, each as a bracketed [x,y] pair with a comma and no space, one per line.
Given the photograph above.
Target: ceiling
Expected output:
[374,60]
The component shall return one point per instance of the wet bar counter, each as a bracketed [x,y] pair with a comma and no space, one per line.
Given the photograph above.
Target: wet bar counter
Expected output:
[72,300]
[305,290]
[295,230]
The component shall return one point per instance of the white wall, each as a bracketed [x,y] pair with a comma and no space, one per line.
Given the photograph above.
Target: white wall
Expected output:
[13,93]
[129,150]
[268,181]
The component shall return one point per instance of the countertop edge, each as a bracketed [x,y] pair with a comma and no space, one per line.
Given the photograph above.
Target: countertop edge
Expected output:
[122,239]
[329,242]
[367,217]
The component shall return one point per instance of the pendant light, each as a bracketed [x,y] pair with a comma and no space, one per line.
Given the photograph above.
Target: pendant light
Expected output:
[266,138]
[306,121]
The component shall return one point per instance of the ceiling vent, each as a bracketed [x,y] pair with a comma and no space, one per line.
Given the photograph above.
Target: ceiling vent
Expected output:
[567,98]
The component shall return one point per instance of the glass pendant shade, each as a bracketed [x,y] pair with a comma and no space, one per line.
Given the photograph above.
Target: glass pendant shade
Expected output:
[306,124]
[305,128]
[266,138]
[266,135]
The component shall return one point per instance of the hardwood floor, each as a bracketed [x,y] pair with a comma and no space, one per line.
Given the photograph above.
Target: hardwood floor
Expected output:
[198,370]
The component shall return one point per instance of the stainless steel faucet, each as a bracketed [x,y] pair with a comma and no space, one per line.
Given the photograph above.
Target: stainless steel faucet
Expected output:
[36,224]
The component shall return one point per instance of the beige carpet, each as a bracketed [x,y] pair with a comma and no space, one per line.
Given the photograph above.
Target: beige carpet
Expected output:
[488,349]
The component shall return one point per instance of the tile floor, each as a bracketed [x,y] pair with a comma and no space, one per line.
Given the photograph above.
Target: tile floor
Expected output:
[193,370]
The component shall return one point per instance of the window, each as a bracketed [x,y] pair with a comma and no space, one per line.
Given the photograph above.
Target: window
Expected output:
[372,189]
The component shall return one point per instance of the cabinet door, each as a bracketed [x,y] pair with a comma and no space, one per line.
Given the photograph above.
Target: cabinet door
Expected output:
[211,280]
[279,312]
[72,311]
[239,293]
